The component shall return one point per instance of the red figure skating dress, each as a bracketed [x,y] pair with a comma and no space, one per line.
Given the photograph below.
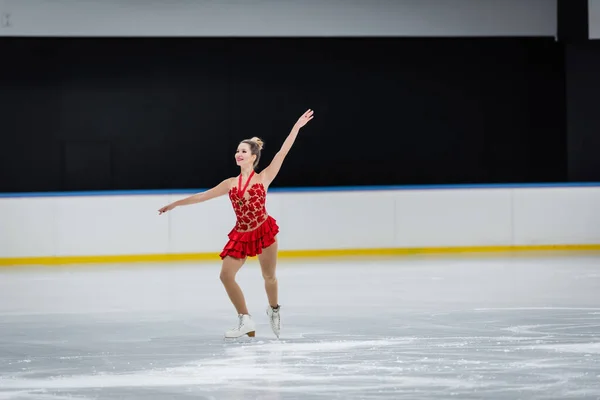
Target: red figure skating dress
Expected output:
[254,229]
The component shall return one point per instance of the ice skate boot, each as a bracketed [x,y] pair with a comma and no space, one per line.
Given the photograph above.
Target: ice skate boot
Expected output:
[274,319]
[246,326]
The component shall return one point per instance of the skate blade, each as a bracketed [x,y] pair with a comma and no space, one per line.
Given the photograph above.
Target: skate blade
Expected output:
[249,334]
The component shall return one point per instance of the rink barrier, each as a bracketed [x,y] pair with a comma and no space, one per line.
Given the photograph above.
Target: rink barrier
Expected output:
[56,228]
[307,189]
[292,254]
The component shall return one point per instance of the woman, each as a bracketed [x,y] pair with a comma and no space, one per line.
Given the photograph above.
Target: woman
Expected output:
[255,232]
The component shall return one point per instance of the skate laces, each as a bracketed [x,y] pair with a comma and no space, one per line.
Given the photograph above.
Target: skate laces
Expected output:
[275,320]
[240,323]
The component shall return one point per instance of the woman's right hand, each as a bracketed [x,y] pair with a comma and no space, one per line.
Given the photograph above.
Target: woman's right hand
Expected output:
[166,208]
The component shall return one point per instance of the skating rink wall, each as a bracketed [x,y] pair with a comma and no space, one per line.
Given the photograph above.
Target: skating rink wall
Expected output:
[260,18]
[103,227]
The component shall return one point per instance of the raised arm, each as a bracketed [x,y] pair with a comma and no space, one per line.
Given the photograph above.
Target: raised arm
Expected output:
[219,190]
[272,170]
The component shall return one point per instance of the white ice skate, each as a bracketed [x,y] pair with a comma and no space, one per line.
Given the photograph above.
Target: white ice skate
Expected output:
[274,319]
[245,327]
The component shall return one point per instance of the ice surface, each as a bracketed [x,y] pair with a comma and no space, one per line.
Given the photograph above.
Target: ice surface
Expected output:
[411,328]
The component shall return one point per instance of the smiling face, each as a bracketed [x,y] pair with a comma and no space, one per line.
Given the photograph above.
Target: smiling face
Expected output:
[243,155]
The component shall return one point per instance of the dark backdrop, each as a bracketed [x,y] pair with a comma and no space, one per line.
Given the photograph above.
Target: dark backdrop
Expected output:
[81,114]
[583,111]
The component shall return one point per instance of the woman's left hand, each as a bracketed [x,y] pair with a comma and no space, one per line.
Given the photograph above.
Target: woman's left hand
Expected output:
[303,120]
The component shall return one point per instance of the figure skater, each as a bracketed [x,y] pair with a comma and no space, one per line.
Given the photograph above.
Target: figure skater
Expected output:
[255,231]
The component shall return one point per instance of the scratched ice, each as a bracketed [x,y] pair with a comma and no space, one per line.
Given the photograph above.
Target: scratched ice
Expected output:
[414,328]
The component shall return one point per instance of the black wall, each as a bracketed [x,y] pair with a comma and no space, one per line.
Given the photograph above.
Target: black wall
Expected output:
[81,114]
[583,111]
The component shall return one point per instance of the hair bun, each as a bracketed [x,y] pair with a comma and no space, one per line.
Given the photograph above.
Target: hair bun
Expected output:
[258,141]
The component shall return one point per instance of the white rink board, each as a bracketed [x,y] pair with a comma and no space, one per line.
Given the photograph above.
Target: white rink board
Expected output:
[557,215]
[130,224]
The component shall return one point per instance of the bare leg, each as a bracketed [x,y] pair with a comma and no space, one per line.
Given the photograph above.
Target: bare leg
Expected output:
[229,269]
[268,264]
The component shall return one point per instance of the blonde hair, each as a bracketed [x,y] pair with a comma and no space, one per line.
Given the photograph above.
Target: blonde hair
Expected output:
[256,144]
[258,141]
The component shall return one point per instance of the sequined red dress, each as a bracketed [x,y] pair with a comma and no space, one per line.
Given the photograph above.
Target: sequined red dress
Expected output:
[255,229]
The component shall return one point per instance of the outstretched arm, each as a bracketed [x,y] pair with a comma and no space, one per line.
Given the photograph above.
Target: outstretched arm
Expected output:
[219,190]
[272,170]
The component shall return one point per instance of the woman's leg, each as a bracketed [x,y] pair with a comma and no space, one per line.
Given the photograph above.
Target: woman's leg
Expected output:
[268,264]
[229,269]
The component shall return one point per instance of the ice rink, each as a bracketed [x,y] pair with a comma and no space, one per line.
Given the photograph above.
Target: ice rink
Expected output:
[468,327]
